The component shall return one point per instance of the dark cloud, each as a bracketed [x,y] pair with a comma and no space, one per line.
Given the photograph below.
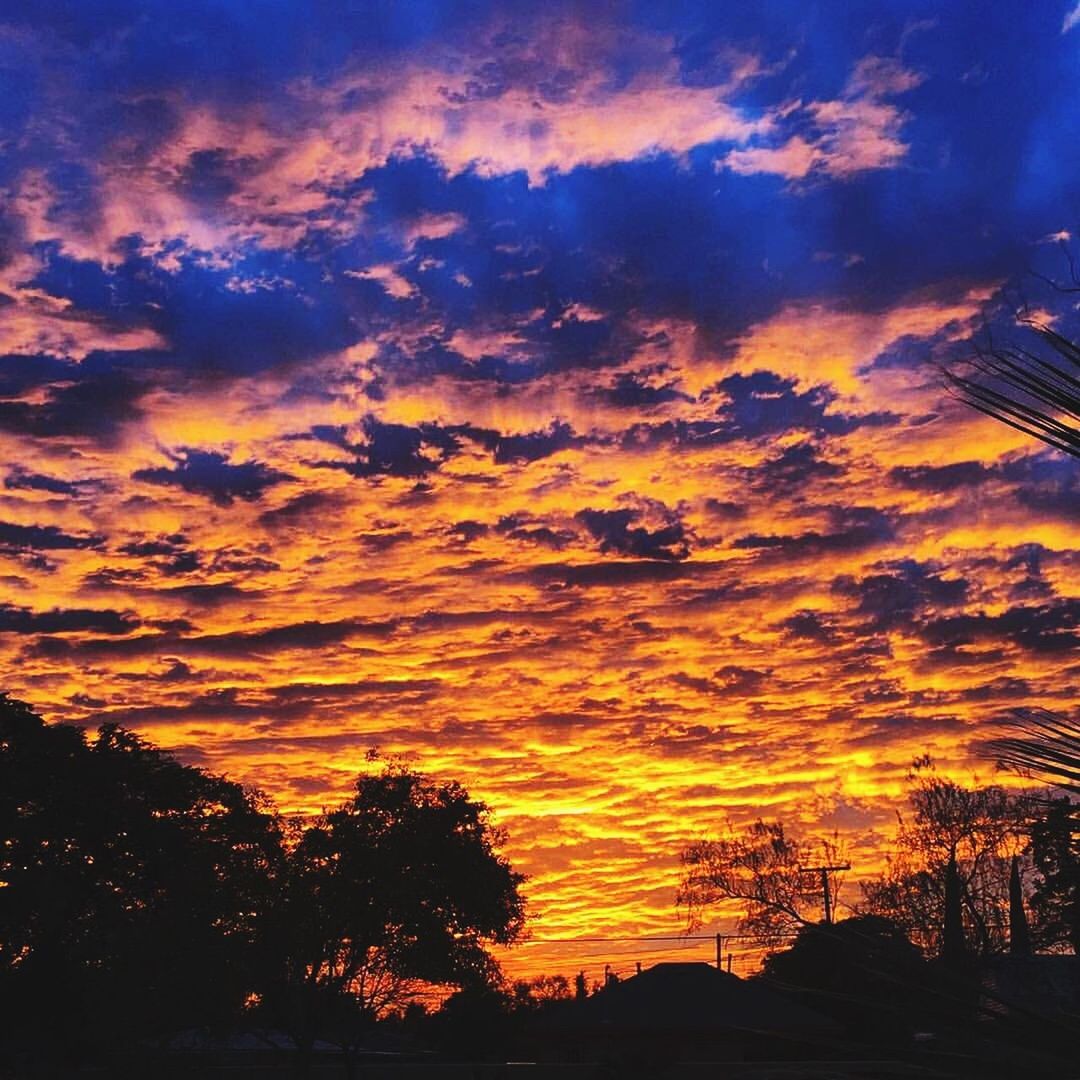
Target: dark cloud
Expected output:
[391,449]
[950,657]
[617,533]
[531,446]
[524,528]
[765,403]
[1063,502]
[465,532]
[795,467]
[725,510]
[856,528]
[730,681]
[941,478]
[809,626]
[309,634]
[43,538]
[633,390]
[313,692]
[171,555]
[615,574]
[1033,586]
[21,620]
[20,479]
[298,509]
[212,594]
[543,536]
[171,544]
[758,405]
[1046,628]
[95,405]
[896,598]
[209,473]
[384,541]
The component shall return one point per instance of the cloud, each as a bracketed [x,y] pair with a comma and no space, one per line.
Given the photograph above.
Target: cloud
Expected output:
[941,478]
[387,449]
[810,626]
[530,446]
[1047,628]
[209,473]
[854,133]
[20,479]
[896,598]
[21,620]
[855,529]
[616,531]
[14,537]
[92,403]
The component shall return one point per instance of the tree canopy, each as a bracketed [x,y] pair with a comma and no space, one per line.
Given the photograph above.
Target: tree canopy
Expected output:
[760,868]
[969,833]
[400,886]
[125,876]
[140,896]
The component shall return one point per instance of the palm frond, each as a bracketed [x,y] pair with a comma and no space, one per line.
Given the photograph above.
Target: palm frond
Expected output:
[1042,743]
[1030,393]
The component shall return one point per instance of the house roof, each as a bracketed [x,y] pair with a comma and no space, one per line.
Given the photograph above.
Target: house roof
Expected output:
[692,997]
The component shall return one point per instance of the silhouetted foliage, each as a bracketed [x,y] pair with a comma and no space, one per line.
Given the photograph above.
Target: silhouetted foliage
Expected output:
[476,1022]
[1055,849]
[976,830]
[863,970]
[1041,743]
[541,991]
[760,868]
[1036,392]
[400,887]
[140,896]
[127,879]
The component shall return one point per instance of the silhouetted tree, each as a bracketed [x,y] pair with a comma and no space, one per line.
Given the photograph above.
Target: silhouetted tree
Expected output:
[956,846]
[402,886]
[863,970]
[540,991]
[477,1022]
[1046,745]
[759,868]
[130,887]
[1055,846]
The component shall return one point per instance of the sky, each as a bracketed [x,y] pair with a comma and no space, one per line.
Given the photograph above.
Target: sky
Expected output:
[547,395]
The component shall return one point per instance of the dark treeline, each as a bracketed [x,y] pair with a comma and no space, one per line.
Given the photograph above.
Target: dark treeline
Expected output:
[140,897]
[960,954]
[147,906]
[972,871]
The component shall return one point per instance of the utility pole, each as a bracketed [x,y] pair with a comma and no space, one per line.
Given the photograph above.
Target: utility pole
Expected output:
[826,892]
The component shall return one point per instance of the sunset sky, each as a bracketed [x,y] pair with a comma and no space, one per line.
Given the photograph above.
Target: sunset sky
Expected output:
[548,394]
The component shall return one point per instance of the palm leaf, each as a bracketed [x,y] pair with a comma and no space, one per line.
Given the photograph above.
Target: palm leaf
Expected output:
[1042,743]
[1030,393]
